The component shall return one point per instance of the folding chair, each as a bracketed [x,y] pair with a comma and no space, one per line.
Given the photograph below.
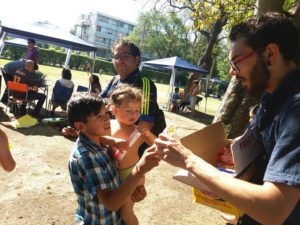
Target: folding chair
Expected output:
[17,94]
[198,102]
[82,89]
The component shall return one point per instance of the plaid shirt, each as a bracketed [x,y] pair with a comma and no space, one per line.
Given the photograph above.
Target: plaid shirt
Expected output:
[91,169]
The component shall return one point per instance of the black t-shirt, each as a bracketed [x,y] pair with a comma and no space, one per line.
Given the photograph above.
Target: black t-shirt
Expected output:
[150,111]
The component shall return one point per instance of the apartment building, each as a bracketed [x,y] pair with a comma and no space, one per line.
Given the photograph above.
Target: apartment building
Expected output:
[102,30]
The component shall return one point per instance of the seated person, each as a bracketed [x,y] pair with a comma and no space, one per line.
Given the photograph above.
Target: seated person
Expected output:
[62,91]
[8,71]
[185,103]
[175,100]
[95,84]
[26,76]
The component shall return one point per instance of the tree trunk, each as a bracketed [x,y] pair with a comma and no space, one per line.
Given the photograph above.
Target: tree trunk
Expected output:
[234,109]
[206,60]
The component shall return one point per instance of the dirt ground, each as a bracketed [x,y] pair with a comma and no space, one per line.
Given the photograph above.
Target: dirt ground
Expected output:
[39,192]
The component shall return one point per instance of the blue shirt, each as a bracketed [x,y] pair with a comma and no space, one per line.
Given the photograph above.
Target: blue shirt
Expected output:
[278,120]
[175,96]
[91,169]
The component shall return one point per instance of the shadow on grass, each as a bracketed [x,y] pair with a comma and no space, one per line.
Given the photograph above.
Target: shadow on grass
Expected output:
[197,117]
[48,130]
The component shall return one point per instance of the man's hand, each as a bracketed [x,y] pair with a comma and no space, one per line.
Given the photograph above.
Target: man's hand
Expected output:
[172,151]
[139,194]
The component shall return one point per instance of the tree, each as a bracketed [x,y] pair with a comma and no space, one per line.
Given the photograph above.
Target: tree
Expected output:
[210,17]
[162,35]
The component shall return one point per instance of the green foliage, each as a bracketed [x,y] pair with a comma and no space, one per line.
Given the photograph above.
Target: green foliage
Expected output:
[162,35]
[157,76]
[78,61]
[14,52]
[289,4]
[205,13]
[222,65]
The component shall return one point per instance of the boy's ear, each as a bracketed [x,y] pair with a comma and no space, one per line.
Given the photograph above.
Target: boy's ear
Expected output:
[78,126]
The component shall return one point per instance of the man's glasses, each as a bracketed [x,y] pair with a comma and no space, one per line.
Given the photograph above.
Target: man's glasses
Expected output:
[122,56]
[233,63]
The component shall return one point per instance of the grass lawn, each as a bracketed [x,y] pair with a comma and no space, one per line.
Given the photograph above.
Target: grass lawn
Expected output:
[81,78]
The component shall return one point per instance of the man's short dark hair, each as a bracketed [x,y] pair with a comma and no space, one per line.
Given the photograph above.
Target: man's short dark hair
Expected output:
[261,30]
[134,49]
[176,89]
[31,40]
[82,105]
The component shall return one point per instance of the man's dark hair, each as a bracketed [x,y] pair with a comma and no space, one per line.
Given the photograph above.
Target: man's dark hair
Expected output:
[82,105]
[261,30]
[176,89]
[66,74]
[134,49]
[31,40]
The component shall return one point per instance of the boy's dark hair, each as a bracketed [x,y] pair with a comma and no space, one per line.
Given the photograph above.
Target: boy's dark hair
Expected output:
[261,30]
[82,105]
[176,89]
[134,49]
[125,92]
[66,74]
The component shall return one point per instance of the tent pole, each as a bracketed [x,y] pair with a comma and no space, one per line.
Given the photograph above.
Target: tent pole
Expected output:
[68,58]
[208,81]
[94,59]
[2,44]
[172,84]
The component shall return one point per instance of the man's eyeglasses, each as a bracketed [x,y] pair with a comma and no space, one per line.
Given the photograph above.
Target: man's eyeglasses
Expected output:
[233,63]
[122,56]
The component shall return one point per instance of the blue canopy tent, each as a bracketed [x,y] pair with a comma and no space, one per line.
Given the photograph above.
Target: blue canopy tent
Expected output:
[173,64]
[46,32]
[16,41]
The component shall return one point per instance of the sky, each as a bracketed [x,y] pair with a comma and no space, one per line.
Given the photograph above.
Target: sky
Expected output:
[65,13]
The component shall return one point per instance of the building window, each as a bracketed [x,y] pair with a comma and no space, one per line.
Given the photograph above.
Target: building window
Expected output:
[98,28]
[111,31]
[103,19]
[101,39]
[130,27]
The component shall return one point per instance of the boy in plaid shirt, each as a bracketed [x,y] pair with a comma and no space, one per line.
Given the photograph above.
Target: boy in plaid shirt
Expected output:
[94,176]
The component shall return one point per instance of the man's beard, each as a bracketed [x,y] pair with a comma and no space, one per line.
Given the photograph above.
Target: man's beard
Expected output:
[259,78]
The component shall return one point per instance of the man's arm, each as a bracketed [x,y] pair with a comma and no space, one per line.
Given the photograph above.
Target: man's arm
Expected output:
[263,203]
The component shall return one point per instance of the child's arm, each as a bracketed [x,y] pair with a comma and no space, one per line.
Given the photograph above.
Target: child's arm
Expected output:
[6,160]
[148,136]
[113,199]
[114,143]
